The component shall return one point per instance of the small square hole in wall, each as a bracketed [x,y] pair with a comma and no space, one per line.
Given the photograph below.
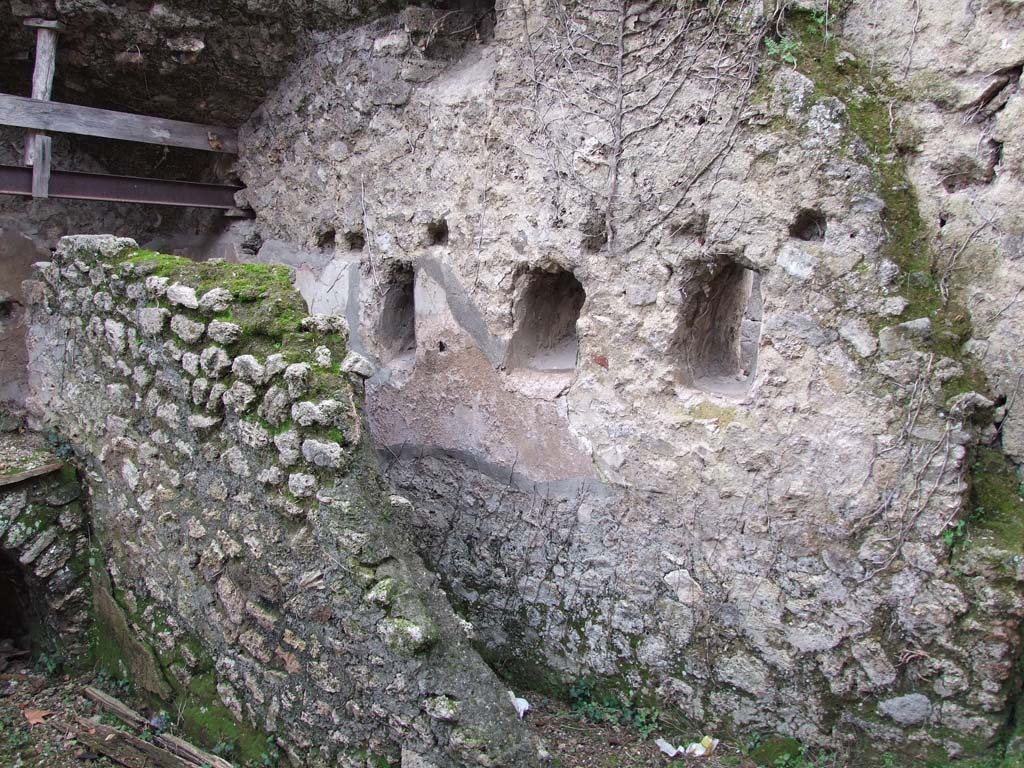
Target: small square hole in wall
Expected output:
[719,331]
[325,240]
[808,224]
[546,308]
[355,240]
[437,232]
[396,325]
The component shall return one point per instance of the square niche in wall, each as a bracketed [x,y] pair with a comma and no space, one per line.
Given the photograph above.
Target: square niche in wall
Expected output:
[396,324]
[546,307]
[716,341]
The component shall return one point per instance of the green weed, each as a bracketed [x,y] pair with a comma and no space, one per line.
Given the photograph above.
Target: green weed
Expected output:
[612,709]
[784,49]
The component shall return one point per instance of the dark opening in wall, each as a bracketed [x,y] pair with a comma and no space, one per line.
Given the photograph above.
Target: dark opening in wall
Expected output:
[809,224]
[16,612]
[437,232]
[396,327]
[456,23]
[719,331]
[355,240]
[7,307]
[545,311]
[326,239]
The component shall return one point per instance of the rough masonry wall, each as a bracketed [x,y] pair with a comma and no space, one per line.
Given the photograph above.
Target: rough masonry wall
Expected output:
[248,538]
[30,229]
[765,543]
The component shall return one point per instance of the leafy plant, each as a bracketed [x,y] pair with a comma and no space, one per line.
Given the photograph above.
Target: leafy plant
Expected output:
[58,444]
[609,708]
[49,664]
[955,534]
[823,21]
[268,759]
[783,49]
[223,748]
[119,685]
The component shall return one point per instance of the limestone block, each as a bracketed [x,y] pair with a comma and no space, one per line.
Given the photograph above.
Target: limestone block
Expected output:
[182,295]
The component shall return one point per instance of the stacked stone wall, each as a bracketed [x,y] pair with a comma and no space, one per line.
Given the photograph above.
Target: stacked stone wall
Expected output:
[248,539]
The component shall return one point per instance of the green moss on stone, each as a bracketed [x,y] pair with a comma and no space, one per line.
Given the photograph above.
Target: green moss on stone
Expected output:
[777,750]
[997,500]
[265,302]
[871,100]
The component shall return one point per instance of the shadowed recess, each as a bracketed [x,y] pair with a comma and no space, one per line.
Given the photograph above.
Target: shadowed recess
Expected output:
[396,326]
[546,309]
[719,329]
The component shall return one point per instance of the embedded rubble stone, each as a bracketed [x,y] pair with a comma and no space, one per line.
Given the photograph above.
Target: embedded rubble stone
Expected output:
[186,329]
[296,377]
[217,500]
[322,453]
[152,320]
[904,337]
[357,364]
[215,362]
[182,295]
[223,333]
[215,300]
[325,324]
[301,484]
[248,368]
[912,709]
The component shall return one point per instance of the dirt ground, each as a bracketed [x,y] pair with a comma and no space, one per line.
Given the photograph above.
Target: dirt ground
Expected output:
[577,743]
[573,742]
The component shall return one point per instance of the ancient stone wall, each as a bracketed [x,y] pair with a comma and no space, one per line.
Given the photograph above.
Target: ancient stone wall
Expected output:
[30,229]
[746,491]
[247,537]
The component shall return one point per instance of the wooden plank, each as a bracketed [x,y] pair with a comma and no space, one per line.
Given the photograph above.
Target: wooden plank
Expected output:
[183,749]
[46,64]
[120,745]
[40,115]
[44,24]
[172,744]
[42,82]
[44,469]
[115,707]
[41,166]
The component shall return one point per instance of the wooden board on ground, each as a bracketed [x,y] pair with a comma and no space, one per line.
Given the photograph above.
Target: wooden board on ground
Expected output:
[179,747]
[119,746]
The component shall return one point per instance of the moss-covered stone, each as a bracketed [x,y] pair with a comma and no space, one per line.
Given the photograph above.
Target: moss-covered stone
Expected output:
[997,500]
[871,101]
[118,650]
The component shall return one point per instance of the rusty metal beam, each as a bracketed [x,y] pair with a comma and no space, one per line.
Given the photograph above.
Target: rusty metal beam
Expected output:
[15,180]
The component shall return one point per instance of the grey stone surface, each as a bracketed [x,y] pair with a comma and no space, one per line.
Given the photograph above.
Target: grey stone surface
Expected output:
[912,709]
[793,515]
[775,503]
[182,295]
[223,333]
[357,364]
[190,510]
[186,329]
[215,300]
